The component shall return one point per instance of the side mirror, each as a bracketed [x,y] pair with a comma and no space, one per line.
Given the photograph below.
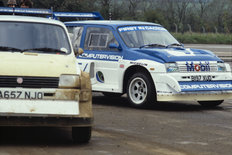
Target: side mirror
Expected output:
[115,46]
[78,51]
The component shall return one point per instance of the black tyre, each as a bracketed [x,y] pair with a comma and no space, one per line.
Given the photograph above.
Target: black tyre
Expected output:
[141,90]
[210,103]
[81,134]
[115,95]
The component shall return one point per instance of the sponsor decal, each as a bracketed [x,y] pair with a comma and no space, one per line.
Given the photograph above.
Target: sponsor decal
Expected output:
[101,56]
[100,77]
[186,52]
[85,67]
[206,86]
[191,67]
[141,28]
[138,63]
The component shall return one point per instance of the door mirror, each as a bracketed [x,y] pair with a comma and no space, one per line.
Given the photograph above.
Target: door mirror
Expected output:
[114,46]
[78,51]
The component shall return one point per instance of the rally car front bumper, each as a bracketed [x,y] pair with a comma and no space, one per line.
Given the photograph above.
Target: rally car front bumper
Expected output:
[195,96]
[175,87]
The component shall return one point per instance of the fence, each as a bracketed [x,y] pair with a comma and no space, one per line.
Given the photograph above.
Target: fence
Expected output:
[189,28]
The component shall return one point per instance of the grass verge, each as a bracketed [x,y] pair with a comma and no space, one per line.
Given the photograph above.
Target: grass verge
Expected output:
[203,38]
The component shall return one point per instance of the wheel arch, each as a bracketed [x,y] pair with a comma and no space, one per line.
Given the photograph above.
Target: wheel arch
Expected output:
[132,70]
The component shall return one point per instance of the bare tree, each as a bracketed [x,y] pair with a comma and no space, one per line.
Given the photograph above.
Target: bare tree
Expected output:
[181,10]
[203,6]
[133,7]
[105,8]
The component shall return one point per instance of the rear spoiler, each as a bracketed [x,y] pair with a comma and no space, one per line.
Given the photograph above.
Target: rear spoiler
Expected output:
[27,11]
[78,15]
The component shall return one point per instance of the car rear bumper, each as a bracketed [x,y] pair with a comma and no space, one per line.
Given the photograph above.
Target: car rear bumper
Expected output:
[44,108]
[45,121]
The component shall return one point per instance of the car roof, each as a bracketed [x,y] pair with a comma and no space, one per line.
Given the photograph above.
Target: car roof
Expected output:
[114,23]
[17,18]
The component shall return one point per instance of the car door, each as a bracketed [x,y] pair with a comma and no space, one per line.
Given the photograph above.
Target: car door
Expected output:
[101,59]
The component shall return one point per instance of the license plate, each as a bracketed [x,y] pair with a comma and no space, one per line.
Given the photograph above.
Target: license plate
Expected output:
[201,78]
[20,95]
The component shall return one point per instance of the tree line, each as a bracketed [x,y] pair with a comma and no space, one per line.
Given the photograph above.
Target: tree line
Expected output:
[175,15]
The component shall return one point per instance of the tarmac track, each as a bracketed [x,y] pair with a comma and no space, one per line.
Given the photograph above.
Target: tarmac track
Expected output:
[183,128]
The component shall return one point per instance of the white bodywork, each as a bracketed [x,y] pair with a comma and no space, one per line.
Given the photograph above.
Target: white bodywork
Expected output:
[166,84]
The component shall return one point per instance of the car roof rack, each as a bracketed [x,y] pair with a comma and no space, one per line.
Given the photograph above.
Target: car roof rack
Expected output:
[48,13]
[26,11]
[77,16]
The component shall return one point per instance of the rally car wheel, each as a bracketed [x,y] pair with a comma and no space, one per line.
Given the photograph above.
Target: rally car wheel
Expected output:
[140,90]
[81,134]
[210,103]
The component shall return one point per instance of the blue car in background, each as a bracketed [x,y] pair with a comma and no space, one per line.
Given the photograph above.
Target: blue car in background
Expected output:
[146,62]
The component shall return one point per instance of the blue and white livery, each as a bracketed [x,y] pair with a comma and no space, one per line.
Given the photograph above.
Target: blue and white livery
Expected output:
[145,61]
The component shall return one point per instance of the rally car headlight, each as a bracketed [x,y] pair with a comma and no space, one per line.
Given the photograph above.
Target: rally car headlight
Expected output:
[69,81]
[171,67]
[221,67]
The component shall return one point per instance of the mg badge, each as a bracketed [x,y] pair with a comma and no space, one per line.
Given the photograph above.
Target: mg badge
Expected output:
[19,80]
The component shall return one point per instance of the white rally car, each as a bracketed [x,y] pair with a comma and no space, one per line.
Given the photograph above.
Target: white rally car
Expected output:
[145,61]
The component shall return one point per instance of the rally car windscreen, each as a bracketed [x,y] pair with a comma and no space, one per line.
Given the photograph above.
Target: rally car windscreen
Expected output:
[33,37]
[138,36]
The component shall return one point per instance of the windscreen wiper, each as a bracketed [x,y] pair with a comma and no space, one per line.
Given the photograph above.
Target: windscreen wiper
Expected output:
[12,49]
[152,45]
[174,44]
[45,50]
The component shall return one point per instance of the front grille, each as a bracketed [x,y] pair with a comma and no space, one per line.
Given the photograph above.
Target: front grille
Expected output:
[29,82]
